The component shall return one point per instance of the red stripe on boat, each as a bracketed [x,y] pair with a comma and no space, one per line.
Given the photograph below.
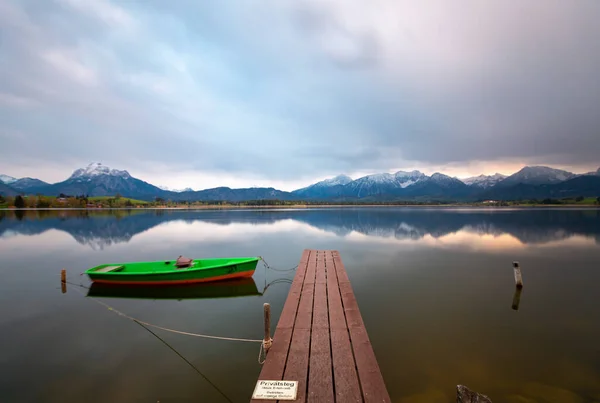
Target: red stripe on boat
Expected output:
[191,281]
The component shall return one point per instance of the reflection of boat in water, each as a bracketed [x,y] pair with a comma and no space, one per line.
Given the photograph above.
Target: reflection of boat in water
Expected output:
[241,287]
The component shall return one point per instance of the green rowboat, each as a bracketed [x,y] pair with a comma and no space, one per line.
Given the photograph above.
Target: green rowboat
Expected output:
[179,271]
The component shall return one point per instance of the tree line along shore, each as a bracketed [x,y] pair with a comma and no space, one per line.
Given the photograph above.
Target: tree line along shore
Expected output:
[118,201]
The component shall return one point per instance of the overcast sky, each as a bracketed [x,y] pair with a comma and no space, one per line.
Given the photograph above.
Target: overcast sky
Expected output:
[284,93]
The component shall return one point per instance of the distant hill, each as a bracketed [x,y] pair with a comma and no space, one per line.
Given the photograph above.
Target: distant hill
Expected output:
[234,195]
[586,186]
[6,190]
[24,184]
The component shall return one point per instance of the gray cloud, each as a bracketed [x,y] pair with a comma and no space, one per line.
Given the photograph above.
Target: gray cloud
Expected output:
[346,47]
[283,91]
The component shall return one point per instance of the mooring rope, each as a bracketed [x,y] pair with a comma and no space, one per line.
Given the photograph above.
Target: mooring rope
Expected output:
[188,362]
[268,266]
[77,285]
[262,353]
[144,324]
[276,281]
[166,329]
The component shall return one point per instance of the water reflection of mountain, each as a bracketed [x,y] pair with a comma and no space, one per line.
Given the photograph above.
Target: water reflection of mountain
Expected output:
[96,230]
[99,230]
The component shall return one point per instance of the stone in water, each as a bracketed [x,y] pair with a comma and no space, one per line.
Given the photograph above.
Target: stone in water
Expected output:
[466,395]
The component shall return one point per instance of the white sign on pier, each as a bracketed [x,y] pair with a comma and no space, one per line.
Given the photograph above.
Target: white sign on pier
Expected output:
[275,390]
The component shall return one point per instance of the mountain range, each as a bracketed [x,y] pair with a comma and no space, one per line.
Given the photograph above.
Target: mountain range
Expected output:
[531,182]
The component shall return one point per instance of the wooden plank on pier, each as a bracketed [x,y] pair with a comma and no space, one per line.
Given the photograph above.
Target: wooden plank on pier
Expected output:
[347,387]
[321,340]
[320,382]
[274,366]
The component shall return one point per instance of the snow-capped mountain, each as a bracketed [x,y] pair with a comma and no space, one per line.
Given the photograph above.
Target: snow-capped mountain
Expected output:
[7,179]
[338,180]
[325,188]
[444,180]
[22,184]
[537,175]
[411,184]
[99,180]
[484,181]
[370,185]
[437,186]
[168,189]
[406,179]
[383,183]
[97,169]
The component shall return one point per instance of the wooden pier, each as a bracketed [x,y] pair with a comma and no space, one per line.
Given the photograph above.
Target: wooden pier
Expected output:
[321,341]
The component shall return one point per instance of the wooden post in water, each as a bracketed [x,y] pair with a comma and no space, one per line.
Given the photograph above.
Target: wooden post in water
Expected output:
[63,281]
[518,278]
[267,341]
[517,299]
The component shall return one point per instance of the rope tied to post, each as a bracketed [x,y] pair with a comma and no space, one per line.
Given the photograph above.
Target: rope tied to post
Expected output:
[262,353]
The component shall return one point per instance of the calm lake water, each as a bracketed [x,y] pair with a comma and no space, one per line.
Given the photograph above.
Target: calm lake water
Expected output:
[435,288]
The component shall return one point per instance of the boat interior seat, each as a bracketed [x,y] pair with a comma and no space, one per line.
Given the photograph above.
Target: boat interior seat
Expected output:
[109,269]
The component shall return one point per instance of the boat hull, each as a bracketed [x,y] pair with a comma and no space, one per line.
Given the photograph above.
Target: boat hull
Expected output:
[242,287]
[173,282]
[165,273]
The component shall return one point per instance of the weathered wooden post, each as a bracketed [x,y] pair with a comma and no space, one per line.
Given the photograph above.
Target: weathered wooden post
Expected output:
[518,278]
[517,299]
[267,341]
[63,281]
